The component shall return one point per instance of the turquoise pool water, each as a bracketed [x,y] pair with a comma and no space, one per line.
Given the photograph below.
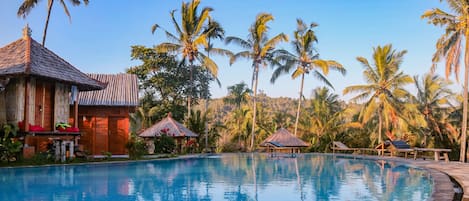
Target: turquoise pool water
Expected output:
[230,177]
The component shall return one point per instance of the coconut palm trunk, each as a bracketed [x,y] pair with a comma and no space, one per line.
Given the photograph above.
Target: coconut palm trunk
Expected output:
[380,128]
[254,101]
[49,10]
[299,102]
[191,89]
[462,156]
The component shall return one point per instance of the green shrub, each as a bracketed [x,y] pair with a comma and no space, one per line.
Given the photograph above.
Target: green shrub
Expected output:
[164,144]
[9,147]
[230,147]
[42,158]
[136,147]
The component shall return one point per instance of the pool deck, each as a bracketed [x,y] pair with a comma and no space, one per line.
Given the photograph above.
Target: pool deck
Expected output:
[443,186]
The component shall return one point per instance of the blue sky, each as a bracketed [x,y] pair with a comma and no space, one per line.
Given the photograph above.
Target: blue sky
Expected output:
[99,37]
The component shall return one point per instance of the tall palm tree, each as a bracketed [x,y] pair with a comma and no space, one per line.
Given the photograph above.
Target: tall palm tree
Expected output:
[306,61]
[237,95]
[188,38]
[449,46]
[213,30]
[384,91]
[260,49]
[28,5]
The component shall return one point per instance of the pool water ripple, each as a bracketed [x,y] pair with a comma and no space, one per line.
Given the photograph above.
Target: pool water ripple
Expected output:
[230,177]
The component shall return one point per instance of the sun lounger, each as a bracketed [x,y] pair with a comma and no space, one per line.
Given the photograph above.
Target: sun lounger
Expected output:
[436,153]
[396,146]
[339,146]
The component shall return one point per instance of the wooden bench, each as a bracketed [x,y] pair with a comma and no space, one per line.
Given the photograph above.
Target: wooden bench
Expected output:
[436,152]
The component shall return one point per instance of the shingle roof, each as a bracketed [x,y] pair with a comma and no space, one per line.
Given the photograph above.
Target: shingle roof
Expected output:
[121,90]
[283,138]
[29,58]
[170,126]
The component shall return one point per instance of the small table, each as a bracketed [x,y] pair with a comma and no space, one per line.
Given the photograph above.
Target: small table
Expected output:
[437,153]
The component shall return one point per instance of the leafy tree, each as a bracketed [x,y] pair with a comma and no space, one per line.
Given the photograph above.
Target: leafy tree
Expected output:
[189,37]
[261,50]
[28,5]
[384,92]
[163,84]
[449,46]
[305,60]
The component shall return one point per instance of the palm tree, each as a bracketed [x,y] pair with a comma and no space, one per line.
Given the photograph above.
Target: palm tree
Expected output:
[213,30]
[325,119]
[189,37]
[260,49]
[305,60]
[434,102]
[384,92]
[237,95]
[28,5]
[450,46]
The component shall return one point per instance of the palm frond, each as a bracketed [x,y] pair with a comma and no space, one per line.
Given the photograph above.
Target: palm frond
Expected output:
[244,54]
[209,64]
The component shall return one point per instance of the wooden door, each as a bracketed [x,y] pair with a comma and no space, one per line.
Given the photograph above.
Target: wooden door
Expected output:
[101,140]
[44,105]
[118,134]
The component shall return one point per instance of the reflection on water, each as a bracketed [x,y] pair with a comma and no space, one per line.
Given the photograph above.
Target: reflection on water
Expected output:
[230,177]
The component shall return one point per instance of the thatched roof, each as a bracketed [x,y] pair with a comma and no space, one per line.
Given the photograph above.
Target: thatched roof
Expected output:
[121,90]
[26,57]
[169,126]
[283,138]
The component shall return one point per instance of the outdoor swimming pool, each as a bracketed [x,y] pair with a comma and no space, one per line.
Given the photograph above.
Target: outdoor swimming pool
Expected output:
[226,177]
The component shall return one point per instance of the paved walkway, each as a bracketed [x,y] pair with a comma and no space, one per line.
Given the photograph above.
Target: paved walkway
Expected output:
[444,189]
[459,171]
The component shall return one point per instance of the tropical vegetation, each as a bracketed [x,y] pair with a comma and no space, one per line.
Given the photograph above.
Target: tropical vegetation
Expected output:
[175,76]
[384,107]
[450,46]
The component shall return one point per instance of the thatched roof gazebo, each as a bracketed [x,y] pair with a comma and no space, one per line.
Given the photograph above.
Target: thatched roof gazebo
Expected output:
[167,126]
[283,141]
[171,128]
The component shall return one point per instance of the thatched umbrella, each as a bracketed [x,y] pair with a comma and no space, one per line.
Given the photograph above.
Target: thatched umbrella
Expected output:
[283,140]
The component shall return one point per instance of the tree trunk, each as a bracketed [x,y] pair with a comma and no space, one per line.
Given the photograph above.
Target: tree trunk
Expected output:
[254,100]
[206,124]
[380,128]
[462,155]
[49,10]
[299,102]
[191,87]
